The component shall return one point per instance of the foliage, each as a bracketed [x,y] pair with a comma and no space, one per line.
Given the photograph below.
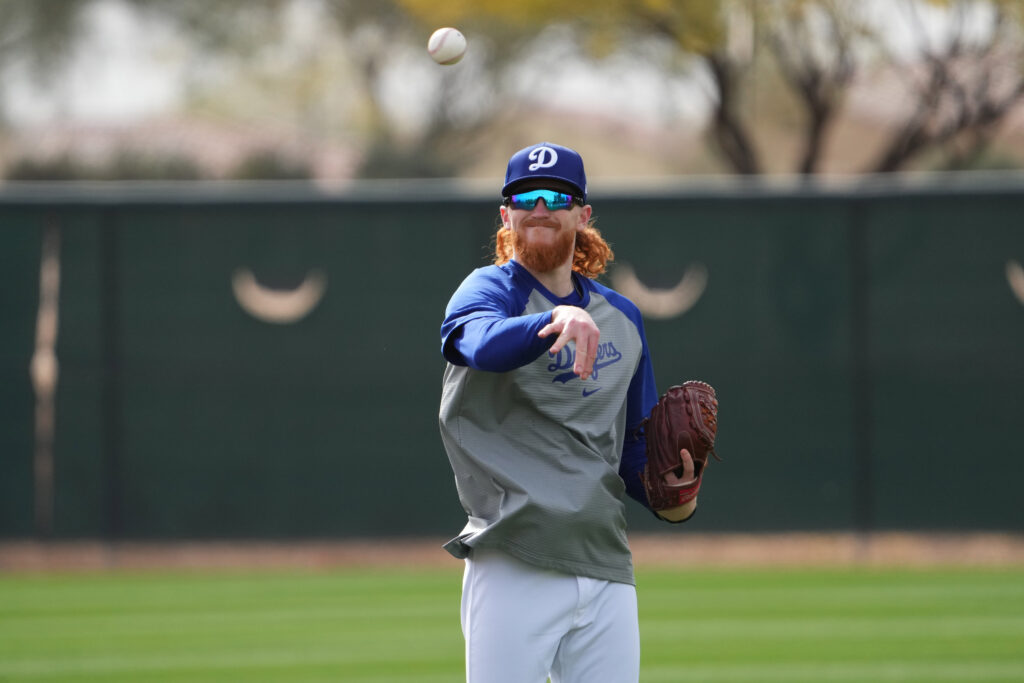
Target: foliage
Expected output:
[818,47]
[38,33]
[125,165]
[269,164]
[961,63]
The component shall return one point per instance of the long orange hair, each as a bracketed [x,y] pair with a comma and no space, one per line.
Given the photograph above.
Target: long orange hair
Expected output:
[590,256]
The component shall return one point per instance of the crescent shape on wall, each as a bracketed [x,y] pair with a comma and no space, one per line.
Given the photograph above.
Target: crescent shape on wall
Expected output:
[661,303]
[1015,276]
[278,306]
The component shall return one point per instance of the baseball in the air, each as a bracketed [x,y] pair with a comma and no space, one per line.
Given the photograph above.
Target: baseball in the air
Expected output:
[446,45]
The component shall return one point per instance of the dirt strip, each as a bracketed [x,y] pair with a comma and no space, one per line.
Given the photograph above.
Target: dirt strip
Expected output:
[673,550]
[835,549]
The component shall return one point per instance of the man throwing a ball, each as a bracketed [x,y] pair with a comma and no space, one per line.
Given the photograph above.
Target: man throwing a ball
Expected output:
[548,382]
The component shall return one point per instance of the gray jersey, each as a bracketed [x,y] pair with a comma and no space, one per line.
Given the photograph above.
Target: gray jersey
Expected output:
[537,452]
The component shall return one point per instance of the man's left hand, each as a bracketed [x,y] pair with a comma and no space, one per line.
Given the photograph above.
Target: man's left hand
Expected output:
[678,514]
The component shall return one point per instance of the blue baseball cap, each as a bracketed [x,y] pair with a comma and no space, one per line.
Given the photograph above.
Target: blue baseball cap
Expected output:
[546,161]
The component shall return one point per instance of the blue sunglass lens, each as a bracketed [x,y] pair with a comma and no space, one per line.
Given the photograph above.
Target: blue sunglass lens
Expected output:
[552,200]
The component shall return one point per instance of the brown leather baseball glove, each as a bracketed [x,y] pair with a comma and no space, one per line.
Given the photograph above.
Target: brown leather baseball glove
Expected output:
[686,416]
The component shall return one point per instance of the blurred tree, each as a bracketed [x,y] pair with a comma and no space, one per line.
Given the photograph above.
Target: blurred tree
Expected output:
[247,40]
[126,164]
[36,36]
[963,82]
[270,164]
[376,33]
[962,67]
[959,62]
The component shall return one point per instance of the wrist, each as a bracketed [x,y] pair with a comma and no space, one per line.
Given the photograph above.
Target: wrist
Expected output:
[680,513]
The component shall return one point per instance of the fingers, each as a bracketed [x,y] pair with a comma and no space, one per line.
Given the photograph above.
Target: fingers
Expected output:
[689,471]
[575,325]
[585,356]
[558,328]
[549,329]
[586,350]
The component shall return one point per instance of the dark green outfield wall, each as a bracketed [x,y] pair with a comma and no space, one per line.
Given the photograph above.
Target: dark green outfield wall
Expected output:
[867,346]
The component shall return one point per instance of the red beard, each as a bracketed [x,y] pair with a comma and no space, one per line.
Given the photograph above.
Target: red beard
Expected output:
[545,257]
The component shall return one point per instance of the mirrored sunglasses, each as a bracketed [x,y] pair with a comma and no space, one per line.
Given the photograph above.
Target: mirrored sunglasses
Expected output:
[552,200]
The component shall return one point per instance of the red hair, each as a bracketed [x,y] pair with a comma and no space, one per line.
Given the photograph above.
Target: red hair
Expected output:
[590,256]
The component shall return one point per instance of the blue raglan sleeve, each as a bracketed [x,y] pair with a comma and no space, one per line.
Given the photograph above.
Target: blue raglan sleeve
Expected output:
[484,326]
[640,399]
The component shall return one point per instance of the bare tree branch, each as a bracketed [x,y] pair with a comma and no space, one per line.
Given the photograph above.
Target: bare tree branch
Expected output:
[728,129]
[818,78]
[959,96]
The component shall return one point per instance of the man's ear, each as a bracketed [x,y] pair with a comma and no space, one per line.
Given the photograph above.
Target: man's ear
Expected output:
[584,217]
[503,210]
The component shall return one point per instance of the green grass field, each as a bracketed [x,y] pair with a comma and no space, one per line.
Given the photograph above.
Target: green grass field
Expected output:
[402,625]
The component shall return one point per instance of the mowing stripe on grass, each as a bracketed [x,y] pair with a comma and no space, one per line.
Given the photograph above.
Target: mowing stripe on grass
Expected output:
[386,626]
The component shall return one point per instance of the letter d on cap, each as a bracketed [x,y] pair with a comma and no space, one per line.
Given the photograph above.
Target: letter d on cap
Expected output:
[543,157]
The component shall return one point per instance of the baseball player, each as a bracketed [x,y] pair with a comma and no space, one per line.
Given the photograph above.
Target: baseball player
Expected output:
[548,382]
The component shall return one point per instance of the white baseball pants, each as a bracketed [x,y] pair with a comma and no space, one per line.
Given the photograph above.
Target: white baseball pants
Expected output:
[523,623]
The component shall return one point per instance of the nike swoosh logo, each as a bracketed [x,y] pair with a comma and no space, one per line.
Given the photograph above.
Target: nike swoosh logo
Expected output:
[591,392]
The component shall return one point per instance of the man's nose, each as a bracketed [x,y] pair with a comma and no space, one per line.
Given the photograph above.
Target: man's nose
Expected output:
[541,207]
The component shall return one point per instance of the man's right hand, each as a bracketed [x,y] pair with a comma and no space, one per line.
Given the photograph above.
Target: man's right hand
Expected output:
[572,323]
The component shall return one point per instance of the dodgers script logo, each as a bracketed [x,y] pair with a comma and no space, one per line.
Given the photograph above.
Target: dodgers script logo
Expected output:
[543,157]
[563,361]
